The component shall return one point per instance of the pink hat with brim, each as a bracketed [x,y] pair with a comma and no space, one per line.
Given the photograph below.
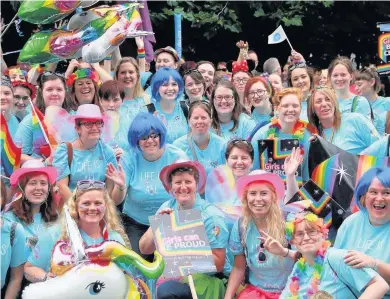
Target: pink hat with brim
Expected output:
[33,166]
[261,175]
[88,111]
[167,170]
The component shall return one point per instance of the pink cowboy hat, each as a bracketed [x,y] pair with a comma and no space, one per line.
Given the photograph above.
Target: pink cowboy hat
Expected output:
[261,175]
[88,111]
[167,170]
[33,166]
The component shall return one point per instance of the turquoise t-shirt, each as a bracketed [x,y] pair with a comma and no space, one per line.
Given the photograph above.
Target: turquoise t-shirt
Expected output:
[355,134]
[11,256]
[86,165]
[41,258]
[362,106]
[379,148]
[144,77]
[269,275]
[245,126]
[30,140]
[214,221]
[127,112]
[356,279]
[260,118]
[303,115]
[146,193]
[175,122]
[262,133]
[366,238]
[32,231]
[380,107]
[13,125]
[210,157]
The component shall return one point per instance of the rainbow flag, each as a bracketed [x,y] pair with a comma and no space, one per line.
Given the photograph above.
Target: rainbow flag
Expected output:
[39,126]
[10,153]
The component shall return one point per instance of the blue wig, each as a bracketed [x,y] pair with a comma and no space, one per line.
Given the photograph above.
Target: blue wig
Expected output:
[381,173]
[141,126]
[162,76]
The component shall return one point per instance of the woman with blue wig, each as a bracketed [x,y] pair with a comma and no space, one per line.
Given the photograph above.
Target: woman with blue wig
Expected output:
[142,164]
[366,234]
[167,89]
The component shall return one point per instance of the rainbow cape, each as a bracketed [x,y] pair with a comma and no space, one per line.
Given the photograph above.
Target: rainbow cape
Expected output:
[10,153]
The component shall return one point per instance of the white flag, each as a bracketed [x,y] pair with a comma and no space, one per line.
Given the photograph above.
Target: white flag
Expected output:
[277,36]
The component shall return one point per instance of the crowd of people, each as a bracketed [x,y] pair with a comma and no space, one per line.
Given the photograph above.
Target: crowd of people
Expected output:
[177,126]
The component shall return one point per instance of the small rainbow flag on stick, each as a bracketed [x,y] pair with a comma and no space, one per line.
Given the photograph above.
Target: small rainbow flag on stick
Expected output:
[38,125]
[10,153]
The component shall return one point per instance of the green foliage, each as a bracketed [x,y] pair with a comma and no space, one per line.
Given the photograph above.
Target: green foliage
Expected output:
[214,16]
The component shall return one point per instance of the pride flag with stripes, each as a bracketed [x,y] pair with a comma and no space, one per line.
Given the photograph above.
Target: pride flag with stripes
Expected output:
[10,153]
[40,128]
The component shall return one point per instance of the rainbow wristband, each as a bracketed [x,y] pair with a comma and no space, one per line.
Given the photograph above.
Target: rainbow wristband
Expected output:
[141,53]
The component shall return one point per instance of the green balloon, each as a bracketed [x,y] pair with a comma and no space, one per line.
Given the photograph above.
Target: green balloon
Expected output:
[34,50]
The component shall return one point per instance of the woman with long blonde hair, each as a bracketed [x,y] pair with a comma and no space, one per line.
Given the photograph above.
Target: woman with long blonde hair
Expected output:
[261,194]
[95,215]
[352,132]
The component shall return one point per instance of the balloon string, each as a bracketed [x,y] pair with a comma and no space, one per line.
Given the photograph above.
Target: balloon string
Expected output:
[12,52]
[6,28]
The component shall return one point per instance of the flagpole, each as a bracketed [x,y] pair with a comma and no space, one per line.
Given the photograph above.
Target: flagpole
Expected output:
[40,124]
[289,42]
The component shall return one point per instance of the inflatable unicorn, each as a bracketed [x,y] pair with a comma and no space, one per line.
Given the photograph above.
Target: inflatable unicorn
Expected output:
[104,271]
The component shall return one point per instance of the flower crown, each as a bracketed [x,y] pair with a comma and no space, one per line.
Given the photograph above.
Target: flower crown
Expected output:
[290,225]
[82,73]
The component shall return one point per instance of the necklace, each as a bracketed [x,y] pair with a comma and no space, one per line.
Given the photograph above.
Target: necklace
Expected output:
[298,131]
[331,137]
[92,149]
[301,268]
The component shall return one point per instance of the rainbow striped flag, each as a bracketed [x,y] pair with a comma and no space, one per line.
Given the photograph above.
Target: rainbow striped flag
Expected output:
[10,153]
[39,126]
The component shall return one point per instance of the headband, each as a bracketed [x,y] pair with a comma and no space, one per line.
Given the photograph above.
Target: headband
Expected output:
[290,225]
[17,71]
[81,74]
[6,82]
[240,67]
[27,85]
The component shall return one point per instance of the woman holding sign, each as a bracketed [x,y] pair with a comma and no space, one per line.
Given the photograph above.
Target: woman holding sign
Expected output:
[351,132]
[287,126]
[185,180]
[261,194]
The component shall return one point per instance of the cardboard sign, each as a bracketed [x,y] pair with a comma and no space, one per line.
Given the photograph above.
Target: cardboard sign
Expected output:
[384,54]
[273,152]
[182,240]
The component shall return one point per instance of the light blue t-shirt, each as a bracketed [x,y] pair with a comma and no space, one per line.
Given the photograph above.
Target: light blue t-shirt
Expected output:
[145,192]
[355,134]
[366,238]
[144,77]
[127,112]
[214,223]
[210,157]
[30,140]
[32,231]
[269,275]
[42,256]
[356,279]
[86,164]
[303,115]
[380,107]
[11,256]
[13,125]
[260,118]
[379,148]
[244,129]
[175,122]
[362,106]
[262,133]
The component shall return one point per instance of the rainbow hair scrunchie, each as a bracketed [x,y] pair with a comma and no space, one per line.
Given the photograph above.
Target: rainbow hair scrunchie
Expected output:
[81,74]
[290,225]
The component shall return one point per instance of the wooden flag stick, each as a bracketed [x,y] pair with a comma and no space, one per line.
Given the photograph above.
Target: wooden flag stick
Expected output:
[192,287]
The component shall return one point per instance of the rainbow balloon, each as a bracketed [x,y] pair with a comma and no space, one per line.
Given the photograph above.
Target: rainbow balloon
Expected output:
[56,45]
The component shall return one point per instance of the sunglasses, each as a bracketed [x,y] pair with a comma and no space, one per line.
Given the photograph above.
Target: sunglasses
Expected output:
[190,71]
[262,257]
[89,184]
[235,141]
[222,69]
[44,75]
[153,136]
[297,66]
